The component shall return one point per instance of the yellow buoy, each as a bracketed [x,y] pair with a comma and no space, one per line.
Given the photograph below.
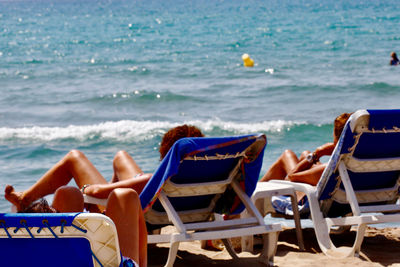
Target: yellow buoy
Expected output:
[247,61]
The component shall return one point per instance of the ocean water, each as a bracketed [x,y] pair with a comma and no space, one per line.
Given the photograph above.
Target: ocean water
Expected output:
[102,76]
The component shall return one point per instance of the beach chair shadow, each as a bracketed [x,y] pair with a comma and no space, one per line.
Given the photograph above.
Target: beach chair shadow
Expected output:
[360,185]
[372,252]
[58,239]
[192,255]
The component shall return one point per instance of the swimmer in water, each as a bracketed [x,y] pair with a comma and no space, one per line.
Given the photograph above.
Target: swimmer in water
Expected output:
[394,61]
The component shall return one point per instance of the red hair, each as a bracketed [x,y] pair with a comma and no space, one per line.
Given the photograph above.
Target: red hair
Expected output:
[339,123]
[175,134]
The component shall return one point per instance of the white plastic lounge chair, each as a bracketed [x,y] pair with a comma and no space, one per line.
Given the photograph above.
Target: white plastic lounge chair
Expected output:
[201,176]
[58,239]
[202,173]
[262,200]
[360,185]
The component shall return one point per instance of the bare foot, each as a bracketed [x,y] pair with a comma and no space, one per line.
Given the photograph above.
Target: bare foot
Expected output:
[16,198]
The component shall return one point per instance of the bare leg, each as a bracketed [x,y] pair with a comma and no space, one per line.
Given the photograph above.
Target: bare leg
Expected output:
[14,197]
[281,167]
[68,199]
[73,165]
[310,176]
[304,154]
[124,209]
[125,167]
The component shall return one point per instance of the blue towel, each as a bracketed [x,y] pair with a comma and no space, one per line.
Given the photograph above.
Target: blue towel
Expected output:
[171,166]
[283,205]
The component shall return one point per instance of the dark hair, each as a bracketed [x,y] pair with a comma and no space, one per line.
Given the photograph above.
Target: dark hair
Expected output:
[40,206]
[339,123]
[175,134]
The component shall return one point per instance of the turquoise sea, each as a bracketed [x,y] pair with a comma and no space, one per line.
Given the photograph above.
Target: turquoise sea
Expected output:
[101,76]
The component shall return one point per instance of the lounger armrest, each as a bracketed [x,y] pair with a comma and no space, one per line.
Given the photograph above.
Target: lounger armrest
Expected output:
[312,196]
[302,187]
[95,200]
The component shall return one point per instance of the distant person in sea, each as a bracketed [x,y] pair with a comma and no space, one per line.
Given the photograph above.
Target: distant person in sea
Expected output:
[307,168]
[394,61]
[122,191]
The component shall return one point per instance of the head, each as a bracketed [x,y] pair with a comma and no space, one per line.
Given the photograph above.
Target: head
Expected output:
[393,55]
[175,134]
[339,124]
[40,206]
[66,199]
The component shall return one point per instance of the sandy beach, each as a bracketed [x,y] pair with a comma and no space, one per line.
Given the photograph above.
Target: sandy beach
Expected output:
[381,247]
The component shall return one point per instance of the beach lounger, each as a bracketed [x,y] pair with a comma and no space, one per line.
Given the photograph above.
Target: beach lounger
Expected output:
[360,185]
[201,177]
[261,198]
[58,239]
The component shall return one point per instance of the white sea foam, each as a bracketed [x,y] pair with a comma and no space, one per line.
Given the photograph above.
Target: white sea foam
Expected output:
[126,130]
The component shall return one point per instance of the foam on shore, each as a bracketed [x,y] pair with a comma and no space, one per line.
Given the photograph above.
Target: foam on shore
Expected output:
[126,130]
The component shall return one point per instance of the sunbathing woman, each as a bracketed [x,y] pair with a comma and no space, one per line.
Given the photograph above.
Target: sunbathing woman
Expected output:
[307,168]
[123,207]
[127,174]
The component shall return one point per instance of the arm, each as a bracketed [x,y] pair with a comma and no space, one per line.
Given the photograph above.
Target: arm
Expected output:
[310,176]
[308,172]
[304,164]
[324,150]
[103,190]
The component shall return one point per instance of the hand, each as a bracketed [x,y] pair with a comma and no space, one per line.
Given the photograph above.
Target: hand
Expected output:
[94,190]
[316,155]
[324,150]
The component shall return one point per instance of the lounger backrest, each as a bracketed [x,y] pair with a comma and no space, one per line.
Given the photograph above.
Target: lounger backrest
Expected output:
[61,239]
[370,149]
[196,178]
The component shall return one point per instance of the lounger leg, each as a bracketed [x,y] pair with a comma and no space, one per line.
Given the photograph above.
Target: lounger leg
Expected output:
[172,254]
[296,215]
[322,228]
[328,248]
[359,239]
[248,241]
[270,241]
[229,248]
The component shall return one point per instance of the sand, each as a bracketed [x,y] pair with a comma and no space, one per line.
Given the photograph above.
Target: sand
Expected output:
[381,247]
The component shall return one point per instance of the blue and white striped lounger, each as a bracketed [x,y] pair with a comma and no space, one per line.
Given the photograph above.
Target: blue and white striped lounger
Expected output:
[360,185]
[58,239]
[200,177]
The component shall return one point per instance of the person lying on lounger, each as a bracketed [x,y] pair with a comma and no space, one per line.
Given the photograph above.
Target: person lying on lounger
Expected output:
[123,207]
[307,168]
[75,165]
